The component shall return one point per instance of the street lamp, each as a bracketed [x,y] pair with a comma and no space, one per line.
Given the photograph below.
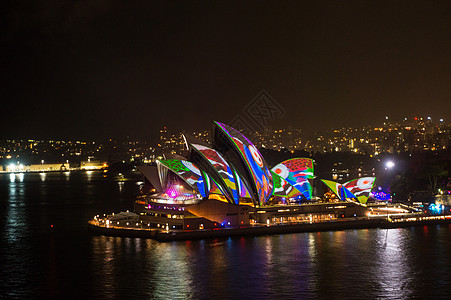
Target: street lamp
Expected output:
[389,164]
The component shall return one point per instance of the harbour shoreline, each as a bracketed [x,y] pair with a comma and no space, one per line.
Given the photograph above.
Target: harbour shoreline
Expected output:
[259,230]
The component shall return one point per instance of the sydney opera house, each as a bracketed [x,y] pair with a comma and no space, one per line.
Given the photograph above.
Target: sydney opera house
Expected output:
[229,184]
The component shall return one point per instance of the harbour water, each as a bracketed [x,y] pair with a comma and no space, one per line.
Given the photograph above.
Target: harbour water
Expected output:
[47,251]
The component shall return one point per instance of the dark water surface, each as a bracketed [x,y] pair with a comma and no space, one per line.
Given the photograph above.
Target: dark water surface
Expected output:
[404,263]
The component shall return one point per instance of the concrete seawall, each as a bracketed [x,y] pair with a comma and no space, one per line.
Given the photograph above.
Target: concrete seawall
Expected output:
[266,230]
[164,236]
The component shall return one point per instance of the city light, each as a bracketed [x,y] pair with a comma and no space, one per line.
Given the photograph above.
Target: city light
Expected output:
[390,164]
[436,208]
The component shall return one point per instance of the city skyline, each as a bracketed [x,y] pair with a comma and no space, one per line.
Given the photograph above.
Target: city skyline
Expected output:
[101,69]
[390,137]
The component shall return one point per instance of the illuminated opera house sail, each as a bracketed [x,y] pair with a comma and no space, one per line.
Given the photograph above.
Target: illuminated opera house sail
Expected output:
[229,183]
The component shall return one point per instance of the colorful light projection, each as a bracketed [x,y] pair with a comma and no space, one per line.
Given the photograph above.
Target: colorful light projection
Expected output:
[215,188]
[302,185]
[211,186]
[436,209]
[222,168]
[243,191]
[294,168]
[346,194]
[338,189]
[381,196]
[361,187]
[305,188]
[297,171]
[188,172]
[282,188]
[176,192]
[334,186]
[253,162]
[200,182]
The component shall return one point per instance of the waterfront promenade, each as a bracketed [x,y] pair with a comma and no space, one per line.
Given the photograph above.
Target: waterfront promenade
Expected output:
[135,228]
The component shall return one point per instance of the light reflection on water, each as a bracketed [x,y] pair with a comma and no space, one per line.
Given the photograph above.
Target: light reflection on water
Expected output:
[89,175]
[370,263]
[354,264]
[121,186]
[392,264]
[171,272]
[16,223]
[16,176]
[67,175]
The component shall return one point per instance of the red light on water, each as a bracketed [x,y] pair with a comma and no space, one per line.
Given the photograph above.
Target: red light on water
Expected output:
[425,229]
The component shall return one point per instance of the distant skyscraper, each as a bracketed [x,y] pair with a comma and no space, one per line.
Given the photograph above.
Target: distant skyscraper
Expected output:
[164,137]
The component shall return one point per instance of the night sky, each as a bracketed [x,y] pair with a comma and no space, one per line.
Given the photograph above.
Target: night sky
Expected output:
[99,69]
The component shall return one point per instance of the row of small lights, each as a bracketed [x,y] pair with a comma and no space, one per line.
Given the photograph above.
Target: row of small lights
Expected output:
[108,222]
